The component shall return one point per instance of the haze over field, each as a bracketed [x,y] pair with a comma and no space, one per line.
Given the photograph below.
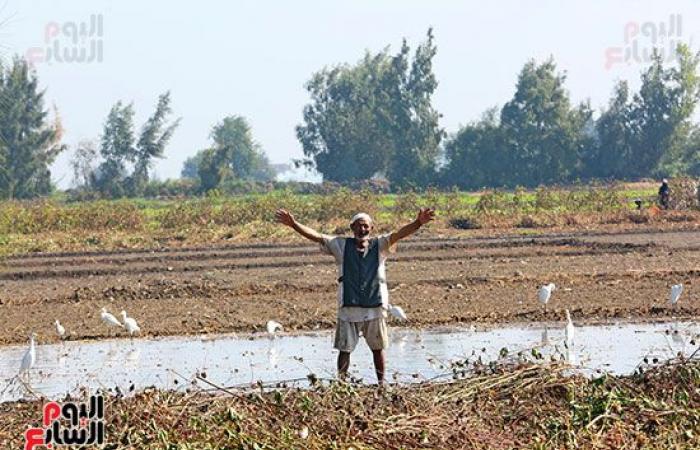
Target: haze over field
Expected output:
[253,59]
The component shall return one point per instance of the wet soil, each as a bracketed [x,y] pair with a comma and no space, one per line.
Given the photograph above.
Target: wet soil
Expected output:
[447,279]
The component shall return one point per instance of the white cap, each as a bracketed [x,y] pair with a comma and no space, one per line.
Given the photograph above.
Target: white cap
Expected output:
[359,216]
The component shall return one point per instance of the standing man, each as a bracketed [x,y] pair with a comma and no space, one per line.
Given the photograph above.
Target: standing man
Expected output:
[363,297]
[664,194]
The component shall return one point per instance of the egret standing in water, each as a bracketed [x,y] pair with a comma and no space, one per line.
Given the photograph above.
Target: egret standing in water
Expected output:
[29,357]
[544,293]
[569,330]
[676,291]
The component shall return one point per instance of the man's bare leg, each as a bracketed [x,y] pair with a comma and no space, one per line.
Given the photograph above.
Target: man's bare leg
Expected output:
[343,364]
[378,356]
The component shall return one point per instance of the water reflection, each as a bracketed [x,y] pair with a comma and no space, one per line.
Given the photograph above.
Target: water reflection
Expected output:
[413,355]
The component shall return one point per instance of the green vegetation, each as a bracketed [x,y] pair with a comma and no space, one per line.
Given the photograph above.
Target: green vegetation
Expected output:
[29,141]
[120,152]
[540,138]
[53,225]
[234,156]
[374,122]
[375,117]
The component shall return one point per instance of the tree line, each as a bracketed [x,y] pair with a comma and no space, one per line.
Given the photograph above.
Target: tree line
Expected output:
[375,119]
[120,162]
[120,166]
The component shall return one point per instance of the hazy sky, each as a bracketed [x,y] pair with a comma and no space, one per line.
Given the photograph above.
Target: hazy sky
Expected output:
[252,58]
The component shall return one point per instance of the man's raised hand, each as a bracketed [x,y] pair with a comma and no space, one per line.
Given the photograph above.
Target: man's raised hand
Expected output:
[284,217]
[425,215]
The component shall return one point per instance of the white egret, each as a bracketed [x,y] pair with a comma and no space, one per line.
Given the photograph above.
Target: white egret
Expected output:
[60,330]
[544,293]
[676,291]
[109,319]
[304,432]
[273,327]
[569,331]
[130,324]
[397,312]
[29,357]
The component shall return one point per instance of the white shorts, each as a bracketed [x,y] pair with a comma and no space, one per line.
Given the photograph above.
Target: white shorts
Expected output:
[347,334]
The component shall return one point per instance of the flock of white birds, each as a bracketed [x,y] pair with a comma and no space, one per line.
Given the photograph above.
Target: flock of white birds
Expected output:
[545,293]
[131,326]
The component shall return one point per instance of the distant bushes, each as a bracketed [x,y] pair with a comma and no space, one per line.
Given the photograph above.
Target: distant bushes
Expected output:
[189,188]
[42,216]
[330,205]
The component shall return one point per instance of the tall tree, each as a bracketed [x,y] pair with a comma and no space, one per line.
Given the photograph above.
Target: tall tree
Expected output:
[117,151]
[662,112]
[476,155]
[155,135]
[691,154]
[612,149]
[122,153]
[234,155]
[341,135]
[417,134]
[374,118]
[190,168]
[29,142]
[83,163]
[543,133]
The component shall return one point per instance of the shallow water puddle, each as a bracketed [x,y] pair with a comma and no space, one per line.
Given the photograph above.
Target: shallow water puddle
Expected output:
[414,355]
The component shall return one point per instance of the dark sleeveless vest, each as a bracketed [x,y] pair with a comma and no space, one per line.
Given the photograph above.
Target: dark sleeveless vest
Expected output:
[360,279]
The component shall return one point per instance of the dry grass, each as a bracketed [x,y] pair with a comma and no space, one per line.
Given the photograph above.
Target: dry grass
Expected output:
[108,225]
[521,406]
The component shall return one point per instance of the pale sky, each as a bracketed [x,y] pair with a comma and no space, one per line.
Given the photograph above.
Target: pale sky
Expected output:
[253,58]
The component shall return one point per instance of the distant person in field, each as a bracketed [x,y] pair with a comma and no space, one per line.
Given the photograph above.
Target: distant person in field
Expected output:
[664,194]
[363,297]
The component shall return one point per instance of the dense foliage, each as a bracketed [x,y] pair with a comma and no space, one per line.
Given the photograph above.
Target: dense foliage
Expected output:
[540,138]
[375,120]
[29,142]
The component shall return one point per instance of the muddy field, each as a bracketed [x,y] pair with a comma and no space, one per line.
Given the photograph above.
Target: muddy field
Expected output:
[610,275]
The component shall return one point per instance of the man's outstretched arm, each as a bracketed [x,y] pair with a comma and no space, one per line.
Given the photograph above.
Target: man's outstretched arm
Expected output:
[425,215]
[286,218]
